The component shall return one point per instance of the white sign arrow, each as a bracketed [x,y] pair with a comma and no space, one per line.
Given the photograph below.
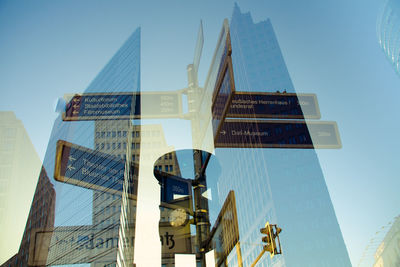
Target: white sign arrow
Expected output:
[69,167]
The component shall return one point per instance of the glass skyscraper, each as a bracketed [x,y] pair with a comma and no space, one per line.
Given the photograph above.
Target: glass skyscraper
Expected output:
[388,29]
[85,225]
[282,186]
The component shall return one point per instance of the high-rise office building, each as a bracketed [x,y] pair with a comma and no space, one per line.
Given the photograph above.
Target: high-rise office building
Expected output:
[40,218]
[19,170]
[388,25]
[124,140]
[92,225]
[388,251]
[282,186]
[86,221]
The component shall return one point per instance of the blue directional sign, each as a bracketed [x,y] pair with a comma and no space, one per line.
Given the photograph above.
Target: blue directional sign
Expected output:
[278,134]
[273,105]
[91,169]
[110,106]
[173,187]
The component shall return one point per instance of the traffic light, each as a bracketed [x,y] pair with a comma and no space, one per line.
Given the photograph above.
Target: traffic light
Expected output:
[271,232]
[268,239]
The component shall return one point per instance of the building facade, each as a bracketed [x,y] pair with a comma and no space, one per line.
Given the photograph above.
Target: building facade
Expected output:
[282,186]
[19,165]
[40,219]
[388,26]
[388,252]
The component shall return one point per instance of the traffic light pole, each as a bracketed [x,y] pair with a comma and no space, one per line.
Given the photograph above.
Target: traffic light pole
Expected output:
[258,258]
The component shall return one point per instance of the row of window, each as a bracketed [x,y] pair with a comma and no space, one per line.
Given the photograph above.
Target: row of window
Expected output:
[101,196]
[114,134]
[167,168]
[100,210]
[168,156]
[113,146]
[108,221]
[122,145]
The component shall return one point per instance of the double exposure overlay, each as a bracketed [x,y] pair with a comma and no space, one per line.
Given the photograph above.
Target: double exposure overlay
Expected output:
[222,172]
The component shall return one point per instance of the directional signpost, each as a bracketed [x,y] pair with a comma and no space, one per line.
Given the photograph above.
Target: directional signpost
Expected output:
[91,169]
[112,106]
[278,134]
[273,105]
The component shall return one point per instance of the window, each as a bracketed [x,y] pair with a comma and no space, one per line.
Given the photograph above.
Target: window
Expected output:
[108,134]
[113,146]
[119,145]
[119,133]
[124,145]
[137,133]
[137,145]
[102,145]
[124,133]
[114,134]
[103,134]
[97,146]
[97,134]
[171,168]
[133,145]
[108,146]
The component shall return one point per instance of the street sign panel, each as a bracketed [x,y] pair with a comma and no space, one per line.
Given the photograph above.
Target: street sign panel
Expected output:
[273,105]
[91,169]
[225,233]
[173,187]
[75,244]
[278,134]
[224,84]
[110,106]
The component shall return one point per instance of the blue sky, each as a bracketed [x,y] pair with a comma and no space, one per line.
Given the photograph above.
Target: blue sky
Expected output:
[50,48]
